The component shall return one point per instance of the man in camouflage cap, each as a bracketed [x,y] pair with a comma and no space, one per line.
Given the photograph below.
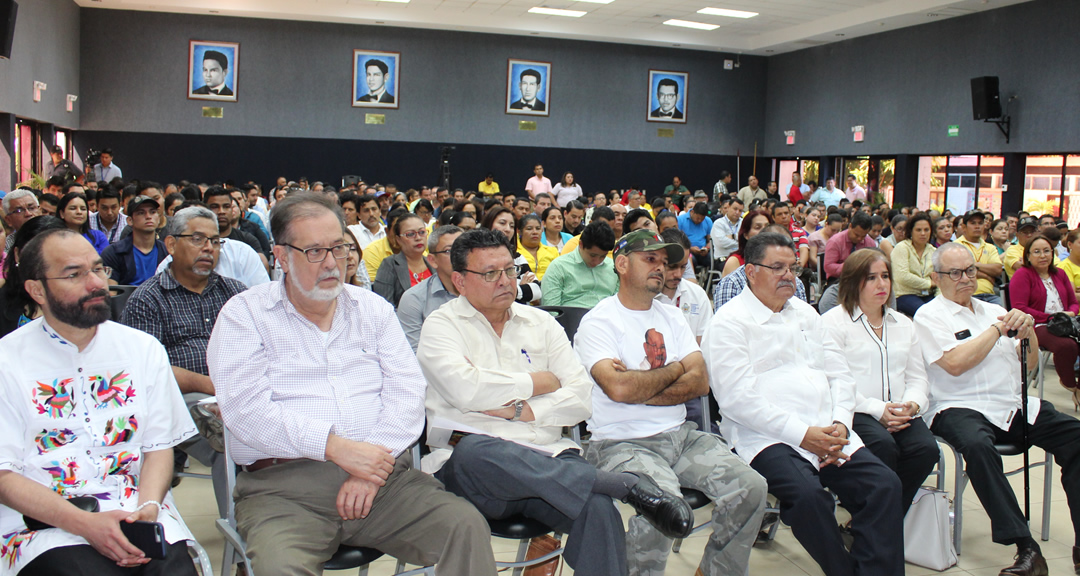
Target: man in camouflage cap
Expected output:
[644,362]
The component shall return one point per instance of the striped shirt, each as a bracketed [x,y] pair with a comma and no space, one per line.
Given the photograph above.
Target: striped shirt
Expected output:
[283,385]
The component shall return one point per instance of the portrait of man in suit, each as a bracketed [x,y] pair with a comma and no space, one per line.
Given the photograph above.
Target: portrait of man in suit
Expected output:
[667,100]
[212,72]
[528,87]
[375,79]
[376,72]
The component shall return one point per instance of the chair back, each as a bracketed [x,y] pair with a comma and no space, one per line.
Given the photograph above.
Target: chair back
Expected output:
[118,297]
[568,317]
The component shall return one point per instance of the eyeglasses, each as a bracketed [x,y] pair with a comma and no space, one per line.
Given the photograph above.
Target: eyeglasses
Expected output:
[494,275]
[317,255]
[29,209]
[1041,252]
[102,272]
[413,234]
[199,240]
[956,273]
[780,269]
[353,249]
[447,251]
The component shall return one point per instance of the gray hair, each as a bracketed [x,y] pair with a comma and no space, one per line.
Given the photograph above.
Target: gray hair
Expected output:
[298,206]
[756,246]
[15,195]
[438,233]
[935,258]
[179,221]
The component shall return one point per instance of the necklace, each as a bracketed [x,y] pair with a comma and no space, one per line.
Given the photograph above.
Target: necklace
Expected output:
[876,327]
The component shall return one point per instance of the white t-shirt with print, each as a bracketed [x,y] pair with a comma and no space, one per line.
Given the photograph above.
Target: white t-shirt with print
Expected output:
[611,330]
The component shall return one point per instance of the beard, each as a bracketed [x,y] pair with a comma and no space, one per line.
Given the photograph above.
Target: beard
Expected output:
[316,293]
[77,314]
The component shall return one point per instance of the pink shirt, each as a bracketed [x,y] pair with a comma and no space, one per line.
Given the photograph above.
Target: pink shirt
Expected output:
[538,185]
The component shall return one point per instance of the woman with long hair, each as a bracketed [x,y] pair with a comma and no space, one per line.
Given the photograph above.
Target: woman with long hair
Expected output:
[566,190]
[407,268]
[16,305]
[355,271]
[912,265]
[886,362]
[752,224]
[75,213]
[501,219]
[1041,289]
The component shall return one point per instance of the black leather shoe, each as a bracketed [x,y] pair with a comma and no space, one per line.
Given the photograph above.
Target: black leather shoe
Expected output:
[1029,562]
[1076,559]
[669,513]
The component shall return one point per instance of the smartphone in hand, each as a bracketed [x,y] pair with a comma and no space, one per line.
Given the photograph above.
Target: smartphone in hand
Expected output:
[146,536]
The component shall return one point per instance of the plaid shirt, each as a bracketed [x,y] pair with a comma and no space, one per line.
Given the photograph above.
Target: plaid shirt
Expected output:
[732,285]
[179,318]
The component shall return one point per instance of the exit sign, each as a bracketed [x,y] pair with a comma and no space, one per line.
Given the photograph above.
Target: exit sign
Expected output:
[859,132]
[789,137]
[954,130]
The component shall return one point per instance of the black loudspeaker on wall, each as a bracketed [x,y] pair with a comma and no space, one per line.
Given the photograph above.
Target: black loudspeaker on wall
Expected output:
[985,100]
[8,9]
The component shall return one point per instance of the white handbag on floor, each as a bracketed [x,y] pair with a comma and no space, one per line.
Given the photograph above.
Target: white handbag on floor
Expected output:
[927,538]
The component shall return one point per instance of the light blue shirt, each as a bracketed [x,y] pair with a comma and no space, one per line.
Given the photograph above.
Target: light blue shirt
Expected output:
[829,198]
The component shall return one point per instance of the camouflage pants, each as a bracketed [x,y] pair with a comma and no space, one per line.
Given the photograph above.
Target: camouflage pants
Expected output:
[686,457]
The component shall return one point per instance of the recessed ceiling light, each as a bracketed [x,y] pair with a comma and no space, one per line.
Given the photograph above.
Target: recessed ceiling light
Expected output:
[557,12]
[726,12]
[597,1]
[691,24]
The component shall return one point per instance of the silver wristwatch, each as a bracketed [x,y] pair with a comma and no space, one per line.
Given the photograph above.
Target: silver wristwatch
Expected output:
[518,407]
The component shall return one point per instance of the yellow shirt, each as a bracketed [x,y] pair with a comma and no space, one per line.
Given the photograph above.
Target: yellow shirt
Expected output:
[572,244]
[545,254]
[1073,270]
[1013,258]
[488,189]
[984,253]
[374,254]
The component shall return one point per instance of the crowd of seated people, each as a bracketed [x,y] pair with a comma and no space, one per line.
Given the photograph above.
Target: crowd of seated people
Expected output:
[334,327]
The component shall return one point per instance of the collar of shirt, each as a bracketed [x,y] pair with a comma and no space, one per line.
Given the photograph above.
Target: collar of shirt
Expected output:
[169,282]
[56,338]
[463,308]
[757,309]
[889,316]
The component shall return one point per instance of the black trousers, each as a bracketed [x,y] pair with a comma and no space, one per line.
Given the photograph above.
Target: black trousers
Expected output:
[502,479]
[974,437]
[912,452]
[866,488]
[85,561]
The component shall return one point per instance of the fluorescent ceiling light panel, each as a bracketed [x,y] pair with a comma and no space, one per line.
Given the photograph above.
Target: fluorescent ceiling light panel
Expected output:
[399,1]
[597,1]
[726,12]
[689,24]
[557,12]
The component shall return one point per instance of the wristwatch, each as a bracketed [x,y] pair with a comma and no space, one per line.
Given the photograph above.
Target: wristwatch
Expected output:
[518,407]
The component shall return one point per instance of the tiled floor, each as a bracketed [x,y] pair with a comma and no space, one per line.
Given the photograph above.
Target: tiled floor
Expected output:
[784,556]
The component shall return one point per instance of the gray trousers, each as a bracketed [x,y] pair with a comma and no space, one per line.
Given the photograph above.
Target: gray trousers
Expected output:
[503,479]
[288,516]
[686,457]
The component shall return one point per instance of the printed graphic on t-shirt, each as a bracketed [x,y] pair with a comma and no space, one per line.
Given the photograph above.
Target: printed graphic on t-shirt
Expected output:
[655,350]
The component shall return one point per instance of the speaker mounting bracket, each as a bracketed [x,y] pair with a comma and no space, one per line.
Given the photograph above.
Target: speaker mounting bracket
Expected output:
[1003,124]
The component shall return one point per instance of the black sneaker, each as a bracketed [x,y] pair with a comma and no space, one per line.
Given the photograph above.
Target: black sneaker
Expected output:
[670,514]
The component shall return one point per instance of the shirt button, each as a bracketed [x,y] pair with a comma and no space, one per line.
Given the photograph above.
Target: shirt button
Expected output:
[87,419]
[80,369]
[87,452]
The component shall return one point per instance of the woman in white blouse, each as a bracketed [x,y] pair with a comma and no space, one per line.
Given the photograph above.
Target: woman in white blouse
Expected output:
[887,365]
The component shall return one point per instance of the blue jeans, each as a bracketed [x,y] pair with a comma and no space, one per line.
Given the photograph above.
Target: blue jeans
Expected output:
[909,304]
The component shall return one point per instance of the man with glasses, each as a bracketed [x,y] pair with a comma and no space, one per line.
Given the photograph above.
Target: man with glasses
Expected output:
[507,372]
[418,302]
[644,361]
[90,409]
[973,367]
[322,398]
[179,307]
[733,284]
[787,401]
[19,206]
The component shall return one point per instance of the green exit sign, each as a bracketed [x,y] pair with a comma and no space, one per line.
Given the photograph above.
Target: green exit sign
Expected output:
[954,131]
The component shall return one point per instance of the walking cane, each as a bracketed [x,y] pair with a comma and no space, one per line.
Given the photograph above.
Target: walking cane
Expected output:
[1024,346]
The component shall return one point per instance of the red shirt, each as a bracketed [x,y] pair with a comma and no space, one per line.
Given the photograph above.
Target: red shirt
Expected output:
[794,195]
[415,279]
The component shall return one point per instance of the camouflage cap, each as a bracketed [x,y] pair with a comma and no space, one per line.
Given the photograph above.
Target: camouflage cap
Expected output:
[645,240]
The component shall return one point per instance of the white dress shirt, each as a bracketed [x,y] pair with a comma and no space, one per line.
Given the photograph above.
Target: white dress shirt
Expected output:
[470,369]
[694,303]
[992,387]
[890,369]
[283,385]
[80,424]
[725,236]
[238,261]
[768,373]
[365,236]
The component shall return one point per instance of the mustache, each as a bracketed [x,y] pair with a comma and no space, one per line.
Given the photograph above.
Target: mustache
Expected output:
[334,273]
[103,293]
[787,283]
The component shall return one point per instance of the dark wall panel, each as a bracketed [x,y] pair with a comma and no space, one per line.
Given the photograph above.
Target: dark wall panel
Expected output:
[173,157]
[46,49]
[907,86]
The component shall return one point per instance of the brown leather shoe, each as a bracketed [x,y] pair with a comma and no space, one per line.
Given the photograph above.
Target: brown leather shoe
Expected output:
[1029,562]
[1076,559]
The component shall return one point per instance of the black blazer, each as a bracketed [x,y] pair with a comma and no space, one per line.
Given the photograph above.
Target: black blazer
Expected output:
[393,279]
[225,91]
[386,98]
[520,105]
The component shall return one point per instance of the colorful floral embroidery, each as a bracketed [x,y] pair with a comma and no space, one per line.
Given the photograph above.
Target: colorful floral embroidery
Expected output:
[118,466]
[112,391]
[55,400]
[64,475]
[10,545]
[48,440]
[120,429]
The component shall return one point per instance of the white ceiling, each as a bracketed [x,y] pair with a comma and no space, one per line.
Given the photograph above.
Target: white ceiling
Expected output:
[782,25]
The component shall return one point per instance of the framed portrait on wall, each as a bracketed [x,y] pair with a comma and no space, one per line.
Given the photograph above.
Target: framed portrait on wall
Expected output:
[375,79]
[528,87]
[212,70]
[667,96]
